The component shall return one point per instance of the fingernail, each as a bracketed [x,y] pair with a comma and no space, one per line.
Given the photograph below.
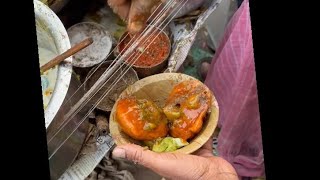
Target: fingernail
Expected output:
[119,153]
[136,26]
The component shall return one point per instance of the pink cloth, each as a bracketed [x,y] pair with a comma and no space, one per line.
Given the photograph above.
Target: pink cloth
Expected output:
[232,78]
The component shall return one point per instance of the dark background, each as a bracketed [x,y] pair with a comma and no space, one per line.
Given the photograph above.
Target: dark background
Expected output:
[23,130]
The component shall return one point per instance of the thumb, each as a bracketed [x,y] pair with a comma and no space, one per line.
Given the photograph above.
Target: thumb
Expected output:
[139,13]
[169,165]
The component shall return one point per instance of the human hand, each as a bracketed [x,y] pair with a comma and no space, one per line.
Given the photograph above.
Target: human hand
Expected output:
[135,12]
[201,165]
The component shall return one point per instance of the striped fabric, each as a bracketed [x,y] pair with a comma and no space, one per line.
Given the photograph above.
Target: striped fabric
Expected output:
[232,78]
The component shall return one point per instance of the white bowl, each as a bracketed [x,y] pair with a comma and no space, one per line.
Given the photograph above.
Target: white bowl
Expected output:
[52,35]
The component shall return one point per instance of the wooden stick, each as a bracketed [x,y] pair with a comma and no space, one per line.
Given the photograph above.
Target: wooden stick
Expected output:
[78,47]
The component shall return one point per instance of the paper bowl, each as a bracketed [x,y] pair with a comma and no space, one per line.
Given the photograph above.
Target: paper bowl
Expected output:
[157,89]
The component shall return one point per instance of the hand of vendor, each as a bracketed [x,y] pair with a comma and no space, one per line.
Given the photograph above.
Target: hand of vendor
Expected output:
[201,165]
[134,12]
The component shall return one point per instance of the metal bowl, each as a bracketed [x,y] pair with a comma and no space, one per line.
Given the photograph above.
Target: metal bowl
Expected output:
[128,77]
[97,51]
[144,71]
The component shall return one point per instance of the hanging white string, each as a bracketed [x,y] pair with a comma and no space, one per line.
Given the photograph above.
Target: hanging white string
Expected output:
[113,84]
[95,69]
[81,106]
[118,56]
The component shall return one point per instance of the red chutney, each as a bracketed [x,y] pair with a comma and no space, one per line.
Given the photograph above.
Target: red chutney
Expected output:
[148,54]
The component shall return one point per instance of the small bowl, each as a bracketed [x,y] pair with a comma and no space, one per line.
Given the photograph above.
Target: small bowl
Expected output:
[157,89]
[94,53]
[127,79]
[144,71]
